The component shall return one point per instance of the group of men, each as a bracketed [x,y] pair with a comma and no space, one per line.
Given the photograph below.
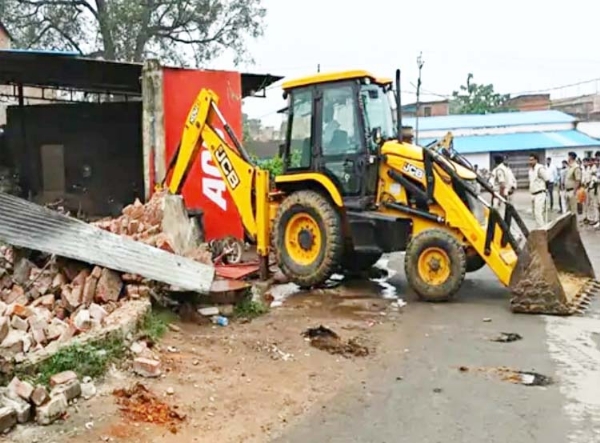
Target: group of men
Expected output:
[575,182]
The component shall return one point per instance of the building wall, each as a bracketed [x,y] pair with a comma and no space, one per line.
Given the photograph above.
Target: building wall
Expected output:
[106,137]
[533,102]
[427,109]
[482,160]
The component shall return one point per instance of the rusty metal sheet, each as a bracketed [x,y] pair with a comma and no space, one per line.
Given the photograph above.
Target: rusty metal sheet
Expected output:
[27,225]
[237,271]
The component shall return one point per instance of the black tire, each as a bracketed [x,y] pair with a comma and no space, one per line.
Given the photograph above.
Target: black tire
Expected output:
[357,262]
[327,258]
[474,262]
[427,242]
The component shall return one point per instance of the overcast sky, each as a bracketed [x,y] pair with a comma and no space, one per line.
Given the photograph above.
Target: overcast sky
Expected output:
[518,45]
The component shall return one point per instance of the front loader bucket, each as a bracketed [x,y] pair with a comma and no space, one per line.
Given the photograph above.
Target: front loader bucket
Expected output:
[553,274]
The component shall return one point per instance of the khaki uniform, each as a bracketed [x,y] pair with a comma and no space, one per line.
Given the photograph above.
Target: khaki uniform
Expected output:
[572,178]
[500,179]
[512,183]
[585,181]
[592,195]
[537,187]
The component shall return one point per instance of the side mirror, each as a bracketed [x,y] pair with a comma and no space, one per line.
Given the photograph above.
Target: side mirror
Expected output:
[376,135]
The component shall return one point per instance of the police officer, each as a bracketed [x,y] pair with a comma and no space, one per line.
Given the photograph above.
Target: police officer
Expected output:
[538,179]
[500,178]
[572,182]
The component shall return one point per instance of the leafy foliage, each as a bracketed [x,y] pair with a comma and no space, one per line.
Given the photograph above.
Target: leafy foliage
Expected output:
[176,31]
[275,164]
[250,309]
[474,98]
[85,360]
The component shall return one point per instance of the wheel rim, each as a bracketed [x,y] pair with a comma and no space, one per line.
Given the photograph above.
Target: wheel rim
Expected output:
[303,239]
[434,266]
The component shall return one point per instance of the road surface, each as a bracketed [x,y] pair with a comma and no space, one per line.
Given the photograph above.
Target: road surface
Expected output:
[419,395]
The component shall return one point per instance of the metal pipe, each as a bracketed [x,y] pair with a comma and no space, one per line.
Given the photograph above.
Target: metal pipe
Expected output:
[413,211]
[398,106]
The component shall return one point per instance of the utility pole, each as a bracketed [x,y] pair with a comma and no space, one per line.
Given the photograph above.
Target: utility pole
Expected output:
[420,64]
[319,68]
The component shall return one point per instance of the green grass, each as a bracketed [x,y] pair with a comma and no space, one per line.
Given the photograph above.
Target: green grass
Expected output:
[250,309]
[85,360]
[156,323]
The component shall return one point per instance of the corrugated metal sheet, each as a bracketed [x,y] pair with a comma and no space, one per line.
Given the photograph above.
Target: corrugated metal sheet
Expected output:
[478,121]
[25,224]
[519,141]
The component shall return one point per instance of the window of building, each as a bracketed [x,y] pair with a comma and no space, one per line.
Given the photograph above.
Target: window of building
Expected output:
[427,111]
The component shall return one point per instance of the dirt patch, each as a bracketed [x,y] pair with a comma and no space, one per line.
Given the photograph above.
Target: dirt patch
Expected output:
[139,404]
[326,340]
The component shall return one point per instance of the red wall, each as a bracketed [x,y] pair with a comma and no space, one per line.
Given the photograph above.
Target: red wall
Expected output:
[204,187]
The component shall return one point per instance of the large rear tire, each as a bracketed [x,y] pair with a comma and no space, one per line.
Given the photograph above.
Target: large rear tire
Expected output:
[435,265]
[307,238]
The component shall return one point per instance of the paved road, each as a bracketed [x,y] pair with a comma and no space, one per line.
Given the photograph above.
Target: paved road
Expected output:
[435,402]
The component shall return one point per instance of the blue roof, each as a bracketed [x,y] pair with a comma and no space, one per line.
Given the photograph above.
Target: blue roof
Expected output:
[42,51]
[519,141]
[474,121]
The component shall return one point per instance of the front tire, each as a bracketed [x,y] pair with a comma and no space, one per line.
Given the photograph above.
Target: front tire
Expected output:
[435,265]
[307,238]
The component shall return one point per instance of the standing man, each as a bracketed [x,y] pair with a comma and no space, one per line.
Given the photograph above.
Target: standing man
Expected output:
[553,176]
[538,178]
[572,183]
[586,176]
[562,206]
[500,179]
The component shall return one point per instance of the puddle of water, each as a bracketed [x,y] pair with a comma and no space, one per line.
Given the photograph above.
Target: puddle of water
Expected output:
[345,294]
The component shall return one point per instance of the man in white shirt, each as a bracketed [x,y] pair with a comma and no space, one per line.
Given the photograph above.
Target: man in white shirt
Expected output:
[537,187]
[553,177]
[500,179]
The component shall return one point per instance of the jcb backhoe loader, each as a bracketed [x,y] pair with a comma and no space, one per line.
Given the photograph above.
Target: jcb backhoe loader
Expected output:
[357,190]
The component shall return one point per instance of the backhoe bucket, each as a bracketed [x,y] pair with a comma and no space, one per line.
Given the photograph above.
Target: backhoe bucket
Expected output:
[553,274]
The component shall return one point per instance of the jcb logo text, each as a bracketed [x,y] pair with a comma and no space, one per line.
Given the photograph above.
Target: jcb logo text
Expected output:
[227,167]
[413,170]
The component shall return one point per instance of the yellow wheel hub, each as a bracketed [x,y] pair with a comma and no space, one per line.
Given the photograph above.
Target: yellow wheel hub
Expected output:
[434,266]
[303,239]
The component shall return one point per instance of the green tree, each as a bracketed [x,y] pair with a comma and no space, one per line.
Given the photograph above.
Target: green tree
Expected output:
[183,32]
[474,98]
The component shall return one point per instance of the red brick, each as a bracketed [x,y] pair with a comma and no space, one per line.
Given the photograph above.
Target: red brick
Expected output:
[97,272]
[40,396]
[58,281]
[62,377]
[55,329]
[21,388]
[46,301]
[146,367]
[80,278]
[89,290]
[37,330]
[71,297]
[132,291]
[132,278]
[109,286]
[22,311]
[16,292]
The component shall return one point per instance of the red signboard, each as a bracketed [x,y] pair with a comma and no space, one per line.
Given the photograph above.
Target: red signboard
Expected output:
[204,188]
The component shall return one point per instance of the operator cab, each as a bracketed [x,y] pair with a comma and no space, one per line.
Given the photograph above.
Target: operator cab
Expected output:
[336,124]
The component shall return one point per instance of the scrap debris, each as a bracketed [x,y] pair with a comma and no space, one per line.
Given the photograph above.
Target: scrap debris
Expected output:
[139,404]
[327,340]
[506,337]
[513,376]
[144,223]
[45,300]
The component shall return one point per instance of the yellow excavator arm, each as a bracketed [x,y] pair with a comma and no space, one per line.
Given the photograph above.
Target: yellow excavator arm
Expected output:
[247,184]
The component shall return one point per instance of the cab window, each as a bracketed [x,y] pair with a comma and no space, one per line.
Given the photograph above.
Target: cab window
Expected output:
[301,129]
[340,122]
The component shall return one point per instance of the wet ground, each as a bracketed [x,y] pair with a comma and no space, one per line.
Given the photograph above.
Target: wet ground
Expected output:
[441,383]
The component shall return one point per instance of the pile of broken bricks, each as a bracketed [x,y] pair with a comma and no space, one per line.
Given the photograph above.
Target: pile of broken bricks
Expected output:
[144,223]
[55,300]
[21,402]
